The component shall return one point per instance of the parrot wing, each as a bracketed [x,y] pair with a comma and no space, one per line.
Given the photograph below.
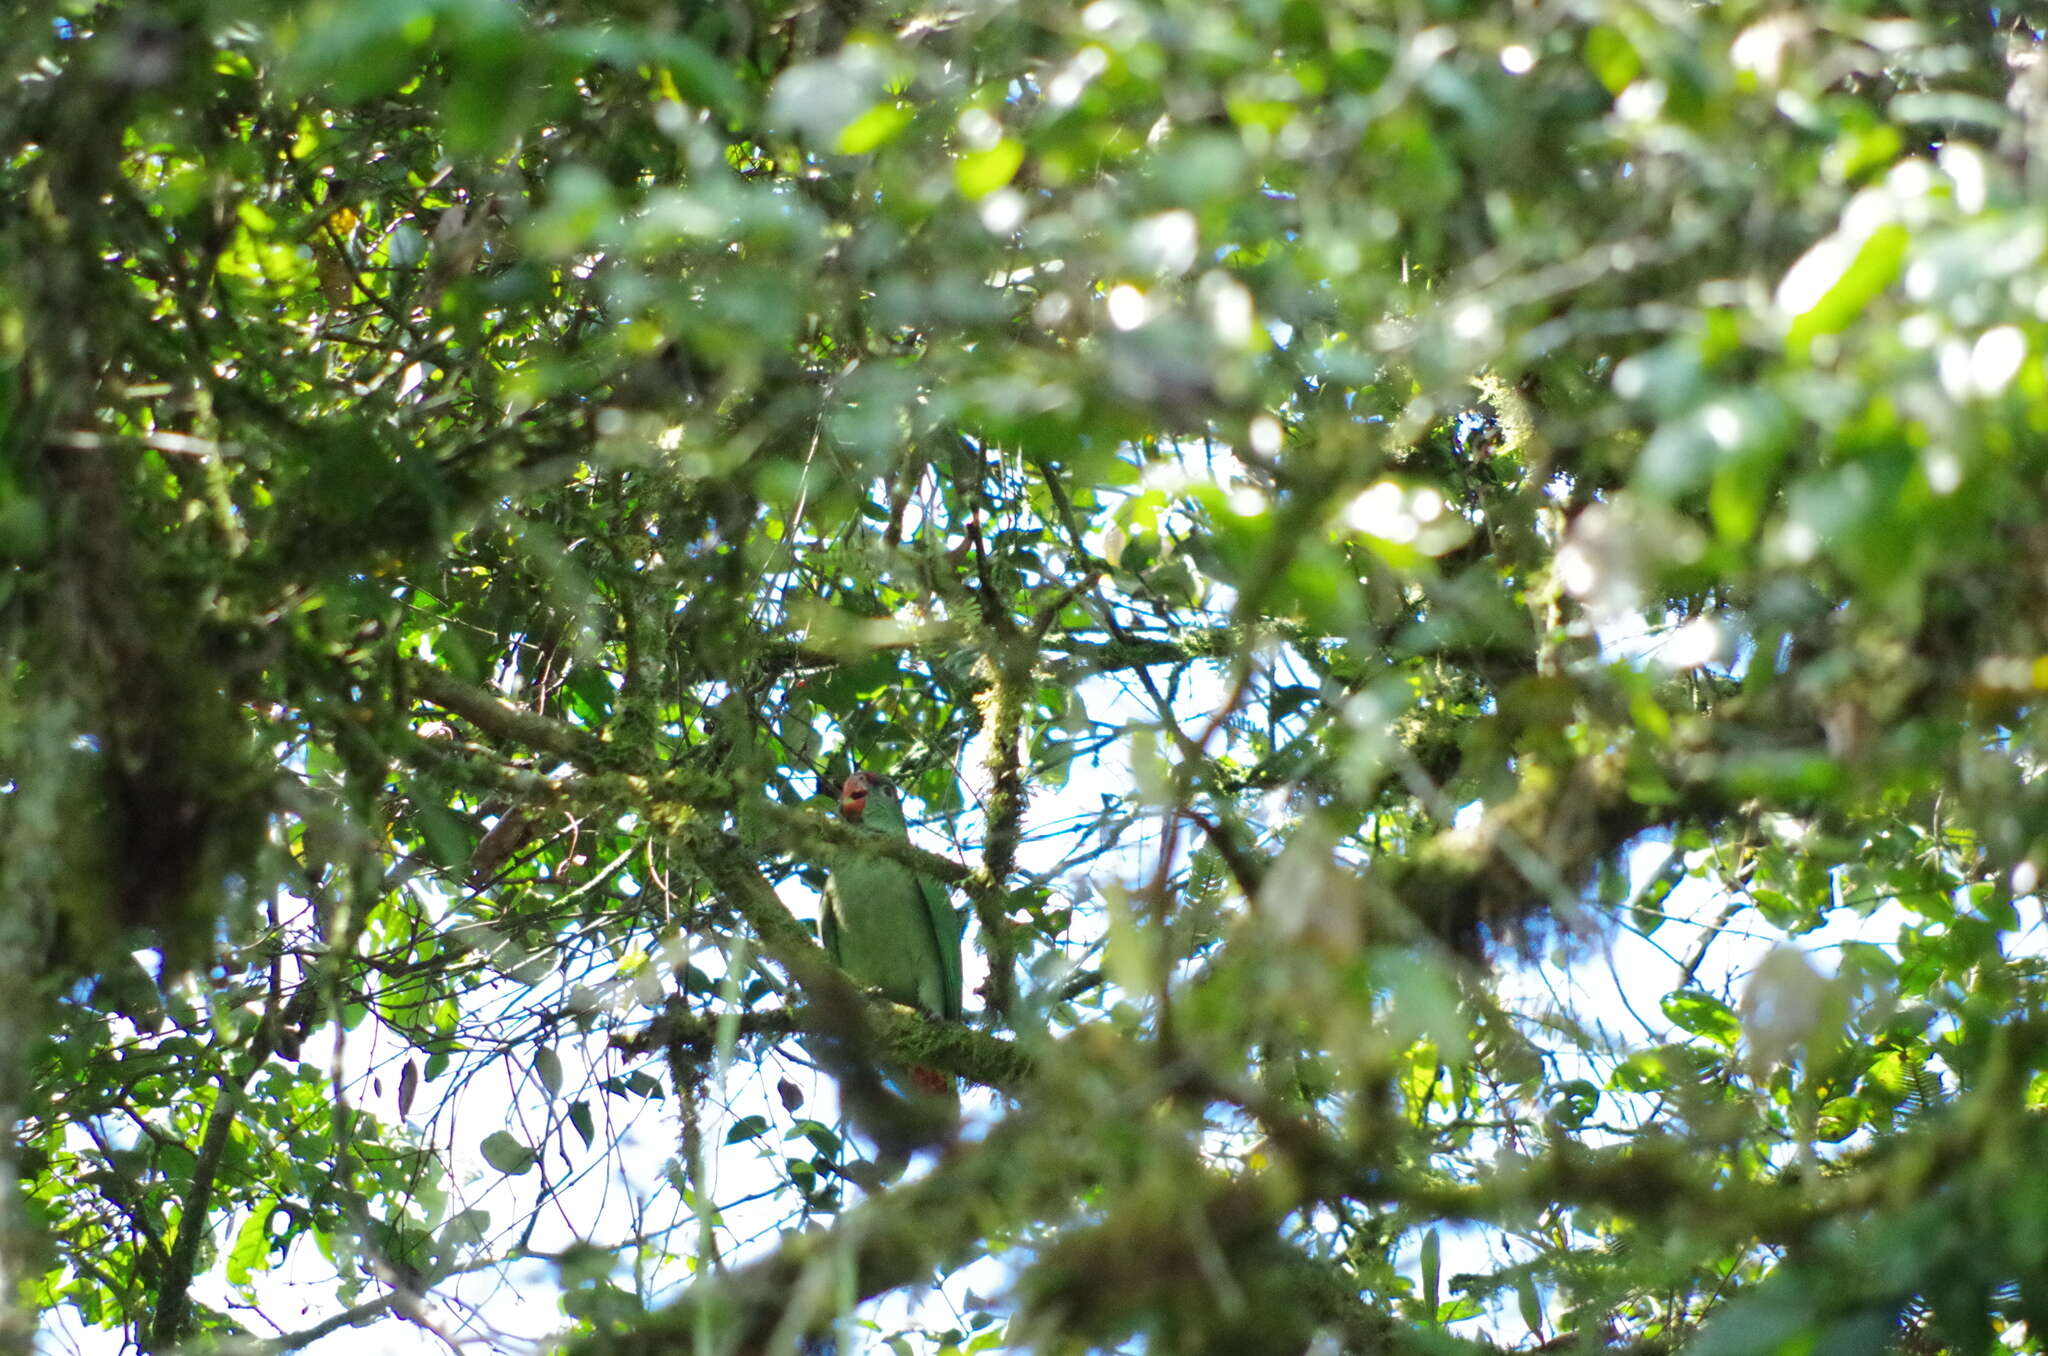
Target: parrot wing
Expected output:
[945,928]
[883,924]
[828,921]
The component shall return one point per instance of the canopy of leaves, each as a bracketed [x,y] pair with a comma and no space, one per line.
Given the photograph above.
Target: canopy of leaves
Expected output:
[1460,591]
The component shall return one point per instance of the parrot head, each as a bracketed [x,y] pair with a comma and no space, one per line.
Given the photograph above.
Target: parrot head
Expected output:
[853,797]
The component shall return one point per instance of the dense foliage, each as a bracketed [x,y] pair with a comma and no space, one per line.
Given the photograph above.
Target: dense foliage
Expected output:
[1460,590]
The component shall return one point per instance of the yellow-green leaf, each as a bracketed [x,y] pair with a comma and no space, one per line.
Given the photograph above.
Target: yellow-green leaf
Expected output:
[980,173]
[874,129]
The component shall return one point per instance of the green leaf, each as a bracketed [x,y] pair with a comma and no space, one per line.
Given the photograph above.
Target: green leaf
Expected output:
[822,1136]
[1529,1302]
[1611,58]
[448,838]
[875,128]
[251,1250]
[701,77]
[746,1128]
[1840,1117]
[1702,1014]
[1831,285]
[1643,1071]
[1574,1103]
[507,1154]
[547,1067]
[980,173]
[1780,910]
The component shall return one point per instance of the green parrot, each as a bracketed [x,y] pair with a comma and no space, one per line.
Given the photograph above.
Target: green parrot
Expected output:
[887,926]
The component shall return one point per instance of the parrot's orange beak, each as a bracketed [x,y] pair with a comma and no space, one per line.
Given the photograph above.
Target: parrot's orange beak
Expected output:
[853,797]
